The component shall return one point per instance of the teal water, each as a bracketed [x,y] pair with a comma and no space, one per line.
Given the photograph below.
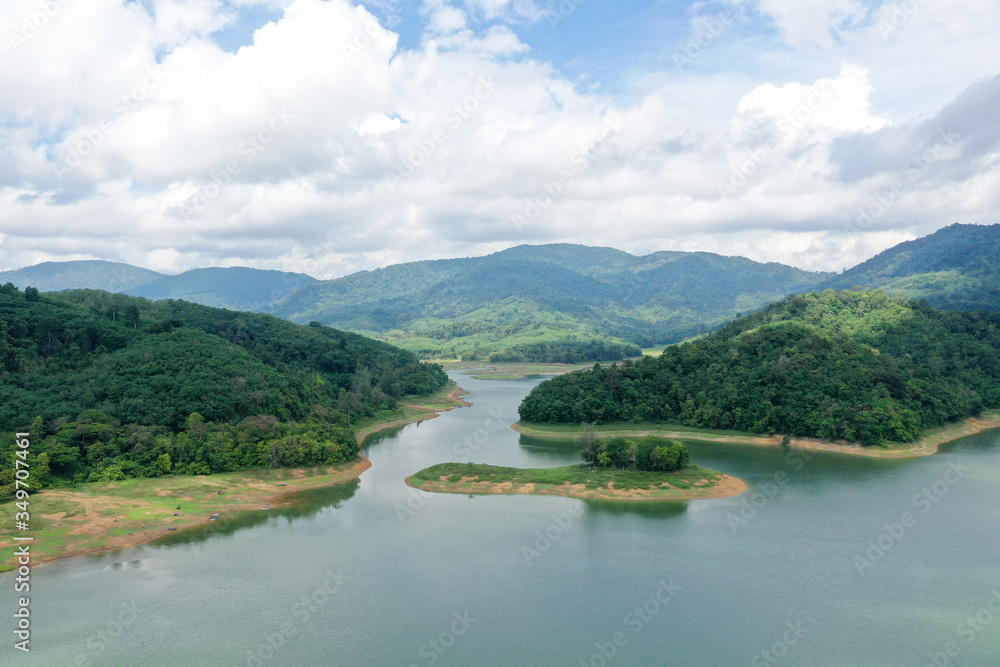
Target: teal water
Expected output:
[376,573]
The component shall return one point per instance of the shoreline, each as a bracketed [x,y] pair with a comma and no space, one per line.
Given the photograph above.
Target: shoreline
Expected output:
[250,490]
[577,481]
[726,486]
[256,493]
[424,411]
[929,443]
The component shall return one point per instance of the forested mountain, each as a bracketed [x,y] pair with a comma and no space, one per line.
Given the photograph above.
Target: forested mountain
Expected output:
[956,268]
[858,366]
[555,302]
[115,386]
[89,273]
[235,288]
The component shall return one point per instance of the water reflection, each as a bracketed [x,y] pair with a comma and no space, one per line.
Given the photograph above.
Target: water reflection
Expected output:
[303,504]
[645,508]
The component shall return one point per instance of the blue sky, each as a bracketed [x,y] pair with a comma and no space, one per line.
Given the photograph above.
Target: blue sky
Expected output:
[329,136]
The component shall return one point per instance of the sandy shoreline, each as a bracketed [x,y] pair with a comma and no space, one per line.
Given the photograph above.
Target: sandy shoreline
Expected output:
[928,444]
[262,493]
[727,486]
[97,510]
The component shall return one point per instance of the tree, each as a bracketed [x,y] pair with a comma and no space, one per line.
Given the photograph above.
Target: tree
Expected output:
[164,463]
[31,293]
[592,447]
[132,315]
[40,471]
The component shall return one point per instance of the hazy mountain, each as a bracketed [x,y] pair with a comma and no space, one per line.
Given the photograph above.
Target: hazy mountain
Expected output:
[88,273]
[954,268]
[529,297]
[235,288]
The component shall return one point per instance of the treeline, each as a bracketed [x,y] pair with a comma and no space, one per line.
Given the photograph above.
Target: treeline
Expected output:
[118,382]
[566,352]
[857,366]
[647,453]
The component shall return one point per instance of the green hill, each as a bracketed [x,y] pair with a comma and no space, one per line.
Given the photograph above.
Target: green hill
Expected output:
[857,366]
[235,288]
[91,274]
[556,302]
[955,268]
[115,386]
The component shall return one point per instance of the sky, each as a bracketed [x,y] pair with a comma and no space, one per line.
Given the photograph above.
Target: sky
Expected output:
[328,137]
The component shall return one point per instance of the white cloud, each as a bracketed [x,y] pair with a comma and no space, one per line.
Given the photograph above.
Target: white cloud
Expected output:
[819,22]
[352,152]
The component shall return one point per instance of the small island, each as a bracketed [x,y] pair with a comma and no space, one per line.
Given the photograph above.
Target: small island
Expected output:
[651,468]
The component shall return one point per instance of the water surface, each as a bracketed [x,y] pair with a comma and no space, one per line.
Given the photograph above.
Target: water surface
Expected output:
[376,573]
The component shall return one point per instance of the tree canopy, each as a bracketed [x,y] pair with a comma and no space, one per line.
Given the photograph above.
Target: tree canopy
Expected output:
[858,366]
[116,386]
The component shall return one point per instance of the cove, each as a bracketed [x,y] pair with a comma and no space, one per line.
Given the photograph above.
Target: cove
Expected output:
[374,572]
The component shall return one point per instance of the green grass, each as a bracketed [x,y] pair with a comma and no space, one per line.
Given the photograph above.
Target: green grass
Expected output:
[692,477]
[94,507]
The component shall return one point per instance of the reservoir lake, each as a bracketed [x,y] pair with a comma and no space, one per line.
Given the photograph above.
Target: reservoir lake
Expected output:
[828,559]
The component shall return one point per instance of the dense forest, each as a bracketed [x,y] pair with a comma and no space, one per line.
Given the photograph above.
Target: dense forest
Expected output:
[854,365]
[546,303]
[955,268]
[646,453]
[113,386]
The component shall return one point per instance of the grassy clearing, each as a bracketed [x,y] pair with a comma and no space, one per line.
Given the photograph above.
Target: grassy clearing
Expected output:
[100,515]
[578,481]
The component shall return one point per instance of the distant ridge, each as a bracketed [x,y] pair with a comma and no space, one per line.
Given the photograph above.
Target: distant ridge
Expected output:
[235,288]
[531,302]
[955,268]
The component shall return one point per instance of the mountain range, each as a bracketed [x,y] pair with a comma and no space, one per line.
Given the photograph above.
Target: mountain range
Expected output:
[556,302]
[234,288]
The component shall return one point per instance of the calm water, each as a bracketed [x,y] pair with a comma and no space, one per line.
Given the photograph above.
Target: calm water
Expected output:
[375,573]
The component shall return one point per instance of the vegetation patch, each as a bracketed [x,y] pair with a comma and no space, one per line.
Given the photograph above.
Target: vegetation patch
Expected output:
[112,387]
[579,481]
[852,366]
